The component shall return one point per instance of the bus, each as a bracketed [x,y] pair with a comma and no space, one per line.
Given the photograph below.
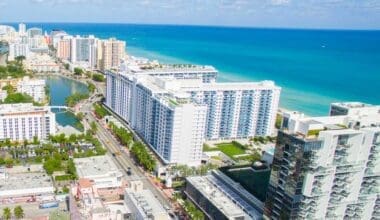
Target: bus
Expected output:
[48,204]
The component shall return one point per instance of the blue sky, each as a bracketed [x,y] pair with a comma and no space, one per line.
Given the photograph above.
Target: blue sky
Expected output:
[345,14]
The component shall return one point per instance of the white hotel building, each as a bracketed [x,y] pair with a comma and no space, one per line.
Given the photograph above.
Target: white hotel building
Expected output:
[33,87]
[327,167]
[177,112]
[20,122]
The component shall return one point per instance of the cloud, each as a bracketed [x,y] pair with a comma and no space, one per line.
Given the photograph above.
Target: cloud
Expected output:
[279,2]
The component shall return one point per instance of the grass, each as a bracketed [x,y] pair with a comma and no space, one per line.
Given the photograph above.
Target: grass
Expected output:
[231,149]
[314,132]
[207,147]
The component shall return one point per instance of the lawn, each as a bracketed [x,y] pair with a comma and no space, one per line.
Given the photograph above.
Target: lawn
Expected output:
[208,148]
[230,149]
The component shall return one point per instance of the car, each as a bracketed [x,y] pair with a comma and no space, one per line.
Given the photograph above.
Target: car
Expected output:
[129,172]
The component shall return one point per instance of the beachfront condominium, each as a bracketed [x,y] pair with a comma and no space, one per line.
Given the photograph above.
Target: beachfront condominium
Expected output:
[171,124]
[178,71]
[64,48]
[327,167]
[112,52]
[84,51]
[21,29]
[177,114]
[24,121]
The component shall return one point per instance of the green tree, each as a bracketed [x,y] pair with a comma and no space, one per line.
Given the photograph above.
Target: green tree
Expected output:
[78,71]
[98,77]
[80,116]
[65,189]
[67,66]
[9,88]
[94,127]
[100,111]
[35,140]
[18,212]
[73,138]
[7,213]
[91,87]
[75,98]
[18,98]
[9,162]
[20,59]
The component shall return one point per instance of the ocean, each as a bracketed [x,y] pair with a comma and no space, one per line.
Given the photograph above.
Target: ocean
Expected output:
[313,67]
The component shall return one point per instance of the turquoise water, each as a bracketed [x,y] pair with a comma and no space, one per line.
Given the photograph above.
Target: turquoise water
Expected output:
[314,67]
[60,88]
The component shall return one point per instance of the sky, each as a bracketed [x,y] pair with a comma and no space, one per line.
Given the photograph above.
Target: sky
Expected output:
[325,14]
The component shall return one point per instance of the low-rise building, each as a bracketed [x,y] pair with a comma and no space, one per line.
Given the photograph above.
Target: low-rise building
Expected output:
[24,121]
[142,203]
[221,198]
[41,64]
[100,170]
[33,87]
[21,184]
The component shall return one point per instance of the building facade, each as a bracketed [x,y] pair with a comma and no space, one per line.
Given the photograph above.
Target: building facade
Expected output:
[64,49]
[219,198]
[238,110]
[142,203]
[173,126]
[113,51]
[166,109]
[327,167]
[20,122]
[34,88]
[83,50]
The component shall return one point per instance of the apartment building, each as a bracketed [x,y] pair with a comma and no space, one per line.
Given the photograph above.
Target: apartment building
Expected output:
[24,121]
[167,109]
[327,167]
[113,51]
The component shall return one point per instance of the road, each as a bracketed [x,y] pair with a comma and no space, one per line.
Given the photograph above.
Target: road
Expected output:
[123,160]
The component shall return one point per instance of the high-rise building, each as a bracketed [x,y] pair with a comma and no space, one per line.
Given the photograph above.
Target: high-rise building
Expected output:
[18,49]
[157,105]
[64,49]
[34,32]
[327,167]
[83,50]
[172,125]
[22,29]
[185,71]
[24,121]
[237,110]
[113,51]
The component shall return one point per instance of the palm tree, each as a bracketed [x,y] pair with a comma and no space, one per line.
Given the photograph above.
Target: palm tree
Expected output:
[7,214]
[19,212]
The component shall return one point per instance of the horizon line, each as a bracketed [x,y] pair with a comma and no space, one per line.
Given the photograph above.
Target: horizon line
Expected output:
[196,25]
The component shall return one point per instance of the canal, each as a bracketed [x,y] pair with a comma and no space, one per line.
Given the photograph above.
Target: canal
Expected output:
[60,88]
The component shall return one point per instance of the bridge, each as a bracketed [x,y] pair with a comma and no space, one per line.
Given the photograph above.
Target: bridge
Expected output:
[61,108]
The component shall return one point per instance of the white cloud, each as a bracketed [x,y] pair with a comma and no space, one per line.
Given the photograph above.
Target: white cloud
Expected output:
[280,2]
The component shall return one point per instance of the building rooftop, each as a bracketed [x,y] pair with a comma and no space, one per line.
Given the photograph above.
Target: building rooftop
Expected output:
[164,68]
[254,179]
[95,166]
[10,109]
[352,104]
[146,202]
[309,127]
[223,197]
[19,181]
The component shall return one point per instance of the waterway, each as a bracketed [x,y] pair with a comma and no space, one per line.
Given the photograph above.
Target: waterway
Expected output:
[60,88]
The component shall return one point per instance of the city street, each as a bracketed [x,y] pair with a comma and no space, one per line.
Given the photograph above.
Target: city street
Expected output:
[121,158]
